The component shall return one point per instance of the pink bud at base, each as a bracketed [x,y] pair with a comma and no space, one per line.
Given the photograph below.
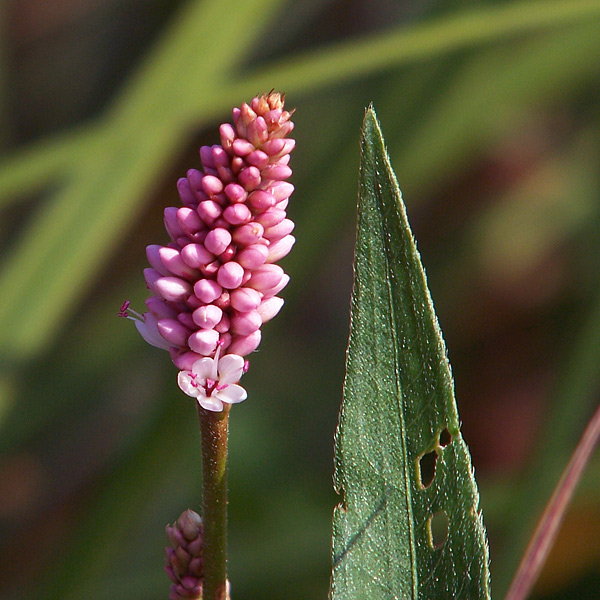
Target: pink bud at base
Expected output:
[184,360]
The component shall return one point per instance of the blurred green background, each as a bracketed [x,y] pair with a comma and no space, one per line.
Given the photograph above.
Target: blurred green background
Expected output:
[491,111]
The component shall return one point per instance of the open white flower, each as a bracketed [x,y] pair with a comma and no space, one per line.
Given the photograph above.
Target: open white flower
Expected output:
[213,381]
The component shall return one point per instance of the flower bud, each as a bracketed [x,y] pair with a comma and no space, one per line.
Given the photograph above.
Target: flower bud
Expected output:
[230,275]
[184,560]
[245,299]
[204,341]
[207,290]
[246,323]
[207,316]
[269,308]
[217,240]
[173,331]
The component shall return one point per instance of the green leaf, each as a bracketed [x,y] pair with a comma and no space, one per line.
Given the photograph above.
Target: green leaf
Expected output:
[398,533]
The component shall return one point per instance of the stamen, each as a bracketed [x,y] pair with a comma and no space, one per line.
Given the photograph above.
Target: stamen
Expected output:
[124,308]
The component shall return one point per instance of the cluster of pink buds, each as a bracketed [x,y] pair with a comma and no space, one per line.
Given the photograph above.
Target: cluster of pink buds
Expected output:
[216,282]
[184,564]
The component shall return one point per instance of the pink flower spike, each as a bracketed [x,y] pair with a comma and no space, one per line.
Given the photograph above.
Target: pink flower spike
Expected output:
[281,190]
[160,309]
[152,276]
[188,220]
[258,158]
[277,171]
[215,282]
[171,223]
[228,135]
[261,200]
[276,289]
[271,217]
[242,147]
[184,360]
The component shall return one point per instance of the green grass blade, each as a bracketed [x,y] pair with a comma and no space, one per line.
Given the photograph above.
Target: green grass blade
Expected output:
[354,58]
[399,407]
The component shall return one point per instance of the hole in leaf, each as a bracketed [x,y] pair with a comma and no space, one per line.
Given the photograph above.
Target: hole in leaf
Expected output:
[437,527]
[445,438]
[427,468]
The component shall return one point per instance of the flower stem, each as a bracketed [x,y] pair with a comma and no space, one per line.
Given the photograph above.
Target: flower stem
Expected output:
[547,529]
[214,428]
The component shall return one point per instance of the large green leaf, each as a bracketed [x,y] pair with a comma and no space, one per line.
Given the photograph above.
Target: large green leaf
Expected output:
[398,533]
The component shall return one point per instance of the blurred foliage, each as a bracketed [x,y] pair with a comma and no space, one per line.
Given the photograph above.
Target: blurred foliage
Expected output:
[492,118]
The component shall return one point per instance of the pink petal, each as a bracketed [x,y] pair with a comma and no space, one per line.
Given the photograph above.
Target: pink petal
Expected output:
[232,394]
[231,368]
[148,329]
[204,368]
[185,382]
[212,403]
